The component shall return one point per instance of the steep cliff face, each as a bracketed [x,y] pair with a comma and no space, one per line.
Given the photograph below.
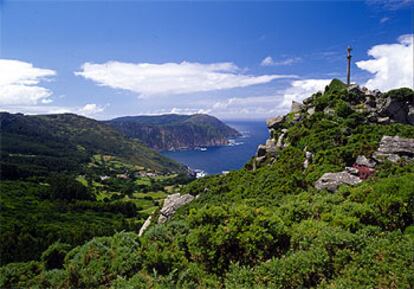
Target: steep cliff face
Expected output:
[175,132]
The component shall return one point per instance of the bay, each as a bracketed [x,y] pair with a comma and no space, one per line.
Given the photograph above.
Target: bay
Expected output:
[215,160]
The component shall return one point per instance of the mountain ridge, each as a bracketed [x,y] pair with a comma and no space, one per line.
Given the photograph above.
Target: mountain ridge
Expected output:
[175,132]
[68,141]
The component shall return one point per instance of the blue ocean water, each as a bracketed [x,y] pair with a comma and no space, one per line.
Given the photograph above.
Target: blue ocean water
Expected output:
[215,160]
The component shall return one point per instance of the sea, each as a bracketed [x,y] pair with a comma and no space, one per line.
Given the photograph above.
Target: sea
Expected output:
[221,159]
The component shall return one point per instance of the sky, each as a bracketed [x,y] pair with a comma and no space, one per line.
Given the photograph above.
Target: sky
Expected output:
[230,59]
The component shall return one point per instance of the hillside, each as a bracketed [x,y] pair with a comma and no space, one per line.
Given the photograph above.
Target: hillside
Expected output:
[174,132]
[35,145]
[67,179]
[327,202]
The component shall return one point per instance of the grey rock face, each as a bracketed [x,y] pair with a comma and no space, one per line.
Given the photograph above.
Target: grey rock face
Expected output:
[296,107]
[311,110]
[308,100]
[261,150]
[280,140]
[394,147]
[395,109]
[275,122]
[270,147]
[364,161]
[331,181]
[171,205]
[352,170]
[410,115]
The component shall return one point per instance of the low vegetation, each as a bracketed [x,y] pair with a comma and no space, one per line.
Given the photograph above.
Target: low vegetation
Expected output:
[267,228]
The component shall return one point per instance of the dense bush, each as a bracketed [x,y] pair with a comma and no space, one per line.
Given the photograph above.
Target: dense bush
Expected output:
[267,228]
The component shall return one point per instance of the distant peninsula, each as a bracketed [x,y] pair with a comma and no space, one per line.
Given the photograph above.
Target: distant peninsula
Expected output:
[171,132]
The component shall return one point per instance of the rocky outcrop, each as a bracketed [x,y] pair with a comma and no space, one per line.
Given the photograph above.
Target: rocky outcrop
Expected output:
[340,101]
[331,181]
[393,148]
[394,106]
[296,107]
[275,122]
[171,205]
[364,161]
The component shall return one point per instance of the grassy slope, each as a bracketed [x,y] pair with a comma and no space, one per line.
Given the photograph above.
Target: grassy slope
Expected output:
[267,228]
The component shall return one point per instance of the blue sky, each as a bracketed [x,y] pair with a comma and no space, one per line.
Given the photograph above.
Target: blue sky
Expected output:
[235,60]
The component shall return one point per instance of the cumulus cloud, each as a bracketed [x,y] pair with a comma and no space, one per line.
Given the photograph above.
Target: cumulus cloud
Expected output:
[392,64]
[91,109]
[19,83]
[268,105]
[148,79]
[301,89]
[268,61]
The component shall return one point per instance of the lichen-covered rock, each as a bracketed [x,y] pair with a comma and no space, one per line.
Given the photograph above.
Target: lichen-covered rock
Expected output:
[364,161]
[331,181]
[396,144]
[275,122]
[394,147]
[171,205]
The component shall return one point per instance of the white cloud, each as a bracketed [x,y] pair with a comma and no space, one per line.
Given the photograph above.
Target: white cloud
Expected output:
[392,64]
[268,61]
[91,109]
[392,4]
[36,109]
[268,105]
[148,79]
[301,89]
[384,19]
[19,83]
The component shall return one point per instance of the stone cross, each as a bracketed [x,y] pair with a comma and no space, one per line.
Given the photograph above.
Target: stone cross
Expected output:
[348,72]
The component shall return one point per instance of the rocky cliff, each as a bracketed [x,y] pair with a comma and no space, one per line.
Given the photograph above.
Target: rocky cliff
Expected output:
[175,132]
[359,104]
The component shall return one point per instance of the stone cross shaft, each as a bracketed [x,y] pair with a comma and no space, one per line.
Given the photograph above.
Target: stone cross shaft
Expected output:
[348,72]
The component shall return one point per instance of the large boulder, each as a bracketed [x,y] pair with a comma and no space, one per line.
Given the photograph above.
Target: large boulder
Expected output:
[394,147]
[275,122]
[331,181]
[395,109]
[171,205]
